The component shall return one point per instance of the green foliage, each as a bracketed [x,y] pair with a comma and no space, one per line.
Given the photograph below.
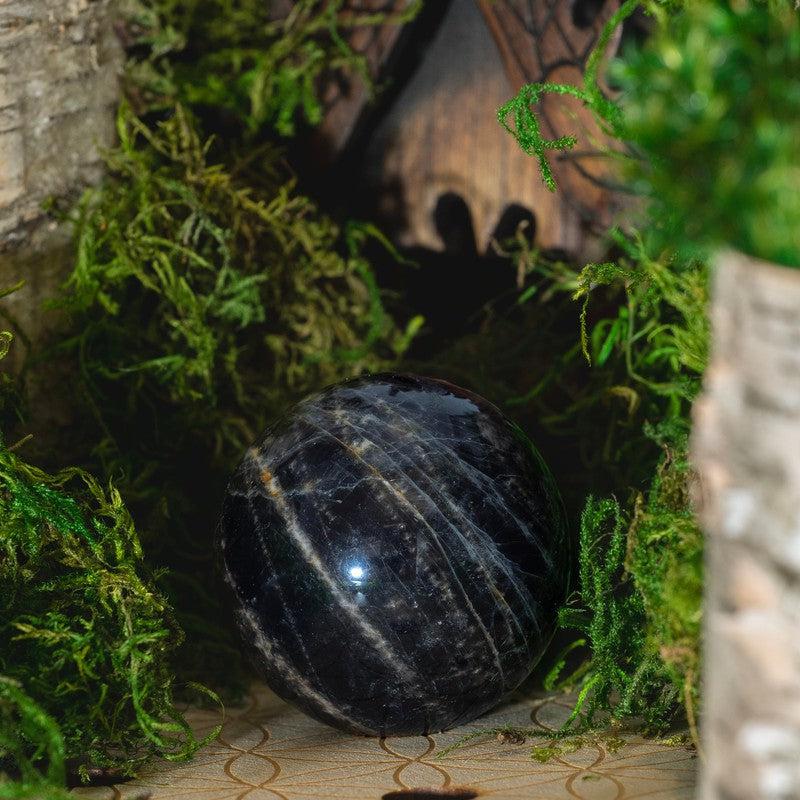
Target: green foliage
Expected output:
[526,129]
[713,102]
[210,293]
[639,604]
[243,60]
[665,560]
[32,745]
[85,637]
[648,342]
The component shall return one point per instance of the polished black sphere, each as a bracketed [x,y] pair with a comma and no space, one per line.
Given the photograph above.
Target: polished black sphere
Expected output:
[397,552]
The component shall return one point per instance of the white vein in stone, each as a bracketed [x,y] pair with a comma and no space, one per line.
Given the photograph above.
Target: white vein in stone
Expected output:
[299,536]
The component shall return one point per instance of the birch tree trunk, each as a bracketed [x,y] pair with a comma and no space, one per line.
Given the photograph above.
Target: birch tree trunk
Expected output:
[747,450]
[59,65]
[59,88]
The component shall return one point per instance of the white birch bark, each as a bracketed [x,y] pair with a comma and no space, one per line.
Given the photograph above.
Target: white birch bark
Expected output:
[747,450]
[59,87]
[59,62]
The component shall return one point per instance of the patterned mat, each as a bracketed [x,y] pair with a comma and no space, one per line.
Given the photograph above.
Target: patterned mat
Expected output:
[269,751]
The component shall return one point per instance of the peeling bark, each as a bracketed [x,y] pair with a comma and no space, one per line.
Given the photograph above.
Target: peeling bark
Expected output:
[59,62]
[59,88]
[747,450]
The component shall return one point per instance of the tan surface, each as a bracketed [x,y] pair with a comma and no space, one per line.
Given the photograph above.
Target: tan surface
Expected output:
[269,751]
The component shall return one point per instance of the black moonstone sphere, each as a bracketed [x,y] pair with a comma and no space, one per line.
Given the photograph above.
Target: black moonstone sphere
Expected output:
[397,552]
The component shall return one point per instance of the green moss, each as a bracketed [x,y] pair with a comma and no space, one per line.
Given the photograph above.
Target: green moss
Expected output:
[639,605]
[31,745]
[543,753]
[716,96]
[182,261]
[85,637]
[244,62]
[520,118]
[638,602]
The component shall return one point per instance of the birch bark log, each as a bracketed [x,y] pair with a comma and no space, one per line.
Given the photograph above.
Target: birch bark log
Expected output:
[59,88]
[747,450]
[59,63]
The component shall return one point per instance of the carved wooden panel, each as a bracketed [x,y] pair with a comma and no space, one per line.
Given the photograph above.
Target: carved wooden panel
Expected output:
[551,40]
[345,95]
[442,137]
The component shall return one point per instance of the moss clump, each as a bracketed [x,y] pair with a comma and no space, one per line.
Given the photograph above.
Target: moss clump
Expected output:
[209,293]
[31,747]
[665,561]
[716,96]
[639,605]
[546,753]
[85,637]
[258,70]
[639,595]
